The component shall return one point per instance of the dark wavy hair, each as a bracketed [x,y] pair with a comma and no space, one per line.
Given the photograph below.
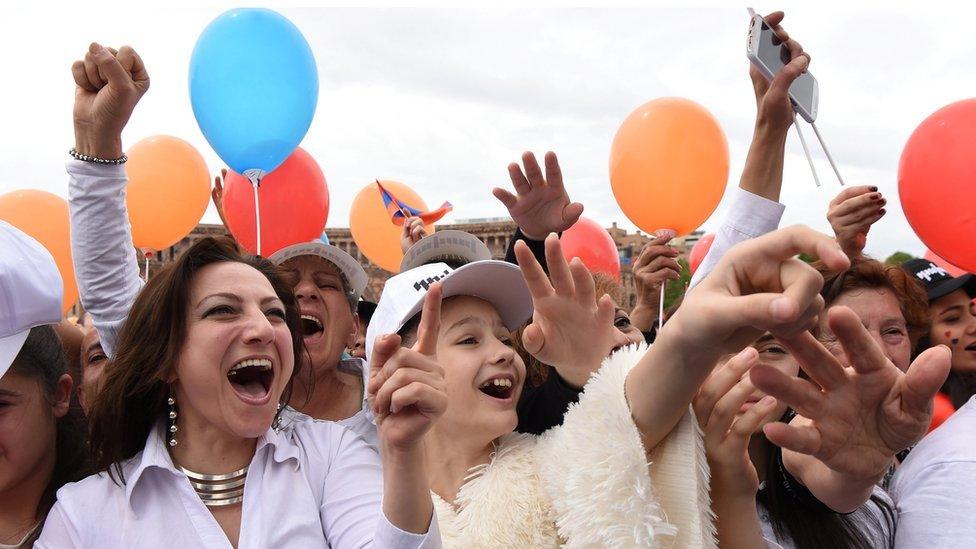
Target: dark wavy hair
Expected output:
[133,397]
[42,358]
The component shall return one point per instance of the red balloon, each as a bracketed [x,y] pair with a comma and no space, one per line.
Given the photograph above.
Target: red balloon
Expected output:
[941,411]
[294,202]
[699,251]
[590,242]
[937,182]
[949,267]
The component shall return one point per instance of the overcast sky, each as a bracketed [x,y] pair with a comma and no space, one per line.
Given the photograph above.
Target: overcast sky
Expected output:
[443,99]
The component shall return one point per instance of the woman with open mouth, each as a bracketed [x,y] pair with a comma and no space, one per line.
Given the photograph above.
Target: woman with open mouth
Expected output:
[205,360]
[182,430]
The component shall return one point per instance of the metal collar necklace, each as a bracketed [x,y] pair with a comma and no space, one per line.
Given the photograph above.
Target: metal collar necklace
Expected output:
[218,490]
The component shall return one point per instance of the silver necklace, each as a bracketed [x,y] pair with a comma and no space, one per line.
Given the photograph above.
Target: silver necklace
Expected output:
[218,490]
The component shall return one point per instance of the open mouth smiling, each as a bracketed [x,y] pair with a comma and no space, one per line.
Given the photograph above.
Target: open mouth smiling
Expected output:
[251,380]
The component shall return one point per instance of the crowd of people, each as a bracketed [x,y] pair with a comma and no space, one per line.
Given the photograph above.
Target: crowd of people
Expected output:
[234,400]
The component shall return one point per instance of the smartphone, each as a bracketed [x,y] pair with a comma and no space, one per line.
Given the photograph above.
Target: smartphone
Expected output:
[769,55]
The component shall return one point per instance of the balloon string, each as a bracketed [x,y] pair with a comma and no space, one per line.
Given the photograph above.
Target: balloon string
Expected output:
[660,310]
[255,176]
[257,218]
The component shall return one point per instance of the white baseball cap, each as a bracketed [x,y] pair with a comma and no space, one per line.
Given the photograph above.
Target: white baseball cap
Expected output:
[31,290]
[347,264]
[443,245]
[497,282]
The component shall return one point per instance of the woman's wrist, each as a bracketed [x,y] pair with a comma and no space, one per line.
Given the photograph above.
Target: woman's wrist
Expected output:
[104,147]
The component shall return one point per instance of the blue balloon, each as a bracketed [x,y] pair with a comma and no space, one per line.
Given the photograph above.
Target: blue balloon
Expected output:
[254,87]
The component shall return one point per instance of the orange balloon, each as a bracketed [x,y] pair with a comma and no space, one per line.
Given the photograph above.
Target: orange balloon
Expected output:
[669,164]
[369,221]
[168,191]
[44,217]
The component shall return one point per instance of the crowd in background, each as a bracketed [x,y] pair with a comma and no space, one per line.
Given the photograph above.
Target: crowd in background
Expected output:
[234,400]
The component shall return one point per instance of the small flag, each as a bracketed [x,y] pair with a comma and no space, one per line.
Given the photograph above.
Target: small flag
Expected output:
[399,211]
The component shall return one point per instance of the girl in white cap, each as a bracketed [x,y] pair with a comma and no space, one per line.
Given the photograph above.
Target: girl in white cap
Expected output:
[42,429]
[587,482]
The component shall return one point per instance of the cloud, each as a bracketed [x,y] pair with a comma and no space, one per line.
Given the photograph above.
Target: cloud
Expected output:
[444,99]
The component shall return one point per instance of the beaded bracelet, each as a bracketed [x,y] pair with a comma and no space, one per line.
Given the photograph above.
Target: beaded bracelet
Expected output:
[95,160]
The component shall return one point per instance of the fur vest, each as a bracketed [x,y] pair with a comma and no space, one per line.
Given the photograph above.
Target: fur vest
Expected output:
[588,482]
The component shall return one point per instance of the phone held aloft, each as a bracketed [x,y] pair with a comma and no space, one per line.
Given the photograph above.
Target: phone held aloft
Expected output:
[769,55]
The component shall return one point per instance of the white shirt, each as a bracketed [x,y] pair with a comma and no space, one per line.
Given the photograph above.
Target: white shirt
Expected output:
[108,275]
[313,485]
[101,247]
[363,423]
[749,216]
[933,488]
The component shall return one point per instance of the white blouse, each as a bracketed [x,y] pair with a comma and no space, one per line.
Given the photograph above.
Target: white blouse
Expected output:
[314,484]
[363,423]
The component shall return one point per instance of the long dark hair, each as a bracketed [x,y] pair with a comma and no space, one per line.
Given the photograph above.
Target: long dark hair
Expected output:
[42,358]
[133,397]
[815,526]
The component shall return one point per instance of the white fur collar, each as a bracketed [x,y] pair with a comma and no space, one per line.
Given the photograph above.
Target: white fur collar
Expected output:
[500,503]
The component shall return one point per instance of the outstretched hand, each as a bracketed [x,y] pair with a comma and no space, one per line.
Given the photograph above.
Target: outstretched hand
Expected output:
[759,285]
[854,418]
[109,83]
[541,205]
[571,330]
[406,386]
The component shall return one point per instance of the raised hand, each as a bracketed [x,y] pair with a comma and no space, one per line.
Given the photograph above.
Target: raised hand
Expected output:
[109,83]
[408,388]
[217,195]
[413,231]
[851,215]
[853,417]
[655,265]
[541,205]
[772,96]
[570,329]
[726,437]
[759,285]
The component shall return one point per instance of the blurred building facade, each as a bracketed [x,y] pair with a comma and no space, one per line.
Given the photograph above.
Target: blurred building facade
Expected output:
[494,232]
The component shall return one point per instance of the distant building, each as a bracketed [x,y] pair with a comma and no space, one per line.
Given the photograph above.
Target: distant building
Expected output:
[494,232]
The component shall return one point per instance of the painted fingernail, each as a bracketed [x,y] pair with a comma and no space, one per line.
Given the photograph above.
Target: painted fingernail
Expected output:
[882,212]
[874,189]
[875,196]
